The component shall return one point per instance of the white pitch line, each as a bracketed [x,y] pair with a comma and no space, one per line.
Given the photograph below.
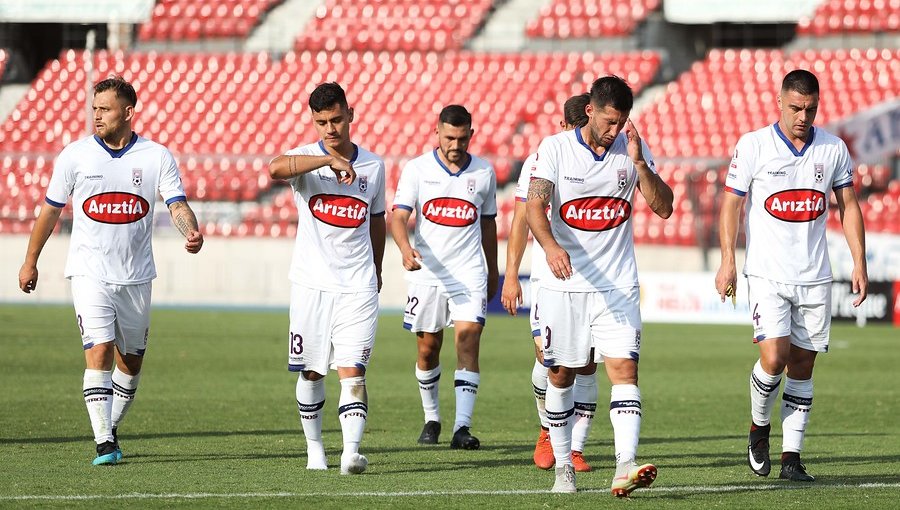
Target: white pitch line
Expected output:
[693,489]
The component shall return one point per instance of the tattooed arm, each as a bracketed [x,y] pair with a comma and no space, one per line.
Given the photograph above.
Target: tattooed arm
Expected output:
[539,192]
[184,220]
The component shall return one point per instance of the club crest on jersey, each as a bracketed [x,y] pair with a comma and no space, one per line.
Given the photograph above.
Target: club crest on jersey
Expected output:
[116,207]
[796,205]
[595,214]
[819,172]
[623,178]
[450,212]
[470,186]
[137,177]
[338,210]
[363,183]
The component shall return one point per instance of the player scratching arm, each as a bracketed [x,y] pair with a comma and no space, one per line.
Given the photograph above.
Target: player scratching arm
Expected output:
[335,272]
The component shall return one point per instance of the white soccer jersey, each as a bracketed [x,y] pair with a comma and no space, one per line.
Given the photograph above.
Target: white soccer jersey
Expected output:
[333,251]
[113,195]
[788,202]
[449,208]
[539,268]
[590,210]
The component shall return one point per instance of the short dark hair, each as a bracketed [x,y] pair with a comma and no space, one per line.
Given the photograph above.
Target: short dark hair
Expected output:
[573,110]
[455,115]
[801,81]
[612,91]
[326,95]
[122,88]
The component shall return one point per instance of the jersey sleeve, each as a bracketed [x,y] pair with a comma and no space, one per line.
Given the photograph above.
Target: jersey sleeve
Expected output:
[843,168]
[170,187]
[62,181]
[740,170]
[546,161]
[489,206]
[376,208]
[407,188]
[524,178]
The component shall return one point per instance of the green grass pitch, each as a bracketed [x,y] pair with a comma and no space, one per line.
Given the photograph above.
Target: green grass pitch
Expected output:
[215,422]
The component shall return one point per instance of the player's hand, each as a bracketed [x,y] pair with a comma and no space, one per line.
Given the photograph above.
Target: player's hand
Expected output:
[859,284]
[493,281]
[635,151]
[194,242]
[558,260]
[726,281]
[28,277]
[378,278]
[511,295]
[412,260]
[343,170]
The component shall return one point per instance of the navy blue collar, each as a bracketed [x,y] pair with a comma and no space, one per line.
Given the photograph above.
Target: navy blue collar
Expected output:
[809,141]
[355,150]
[117,153]
[451,174]
[588,147]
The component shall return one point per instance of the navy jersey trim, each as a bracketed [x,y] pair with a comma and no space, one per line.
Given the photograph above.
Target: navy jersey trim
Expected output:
[586,146]
[794,151]
[117,153]
[451,174]
[54,204]
[179,198]
[326,153]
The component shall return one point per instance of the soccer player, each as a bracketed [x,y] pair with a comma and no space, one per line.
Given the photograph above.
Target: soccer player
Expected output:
[335,272]
[113,177]
[590,310]
[786,171]
[574,116]
[452,270]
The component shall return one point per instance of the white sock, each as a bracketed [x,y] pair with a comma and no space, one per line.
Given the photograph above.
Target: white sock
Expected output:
[560,411]
[352,412]
[124,387]
[539,384]
[310,401]
[763,394]
[466,384]
[428,389]
[625,416]
[796,405]
[98,397]
[585,407]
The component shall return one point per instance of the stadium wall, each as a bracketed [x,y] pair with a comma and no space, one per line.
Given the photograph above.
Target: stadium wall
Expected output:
[246,271]
[252,272]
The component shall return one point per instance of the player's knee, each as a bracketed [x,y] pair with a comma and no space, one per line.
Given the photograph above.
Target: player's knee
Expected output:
[311,376]
[561,377]
[100,356]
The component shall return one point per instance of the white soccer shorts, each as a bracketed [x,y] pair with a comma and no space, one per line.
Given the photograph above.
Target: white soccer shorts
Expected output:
[331,329]
[430,308]
[573,323]
[533,313]
[108,312]
[802,312]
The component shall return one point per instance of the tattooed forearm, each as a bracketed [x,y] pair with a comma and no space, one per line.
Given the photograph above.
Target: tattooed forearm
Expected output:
[183,217]
[540,189]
